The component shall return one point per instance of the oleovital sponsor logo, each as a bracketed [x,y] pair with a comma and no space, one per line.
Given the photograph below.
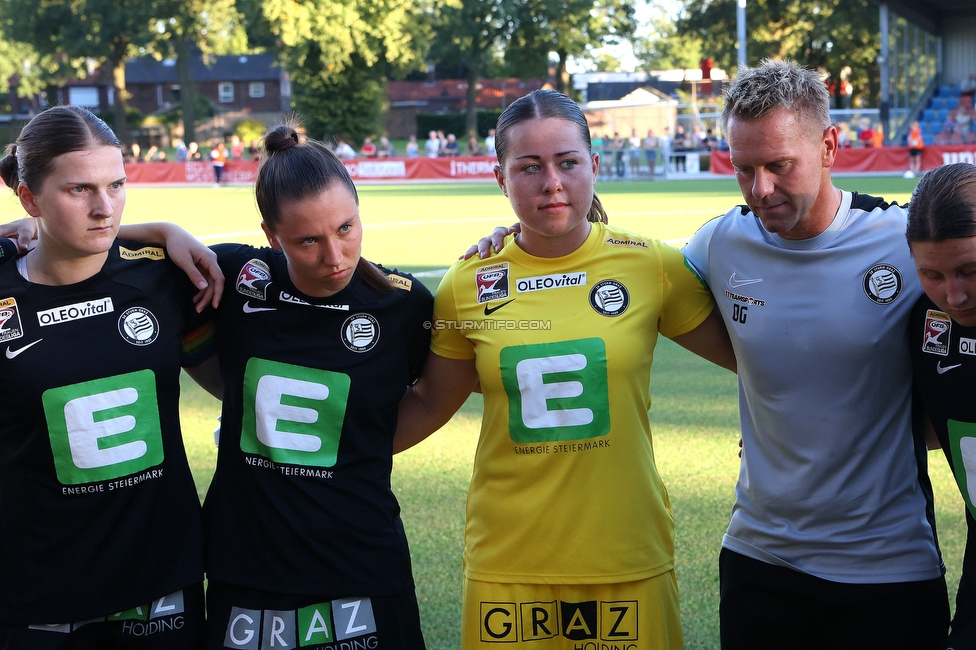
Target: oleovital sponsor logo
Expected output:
[546,282]
[76,311]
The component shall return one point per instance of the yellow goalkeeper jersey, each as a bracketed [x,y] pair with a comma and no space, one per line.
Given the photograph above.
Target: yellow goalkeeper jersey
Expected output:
[565,488]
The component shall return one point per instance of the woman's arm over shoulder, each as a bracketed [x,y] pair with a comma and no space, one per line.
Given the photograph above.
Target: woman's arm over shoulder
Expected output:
[188,253]
[438,394]
[710,341]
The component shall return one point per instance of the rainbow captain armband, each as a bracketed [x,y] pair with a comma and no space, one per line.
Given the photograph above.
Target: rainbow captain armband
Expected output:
[8,249]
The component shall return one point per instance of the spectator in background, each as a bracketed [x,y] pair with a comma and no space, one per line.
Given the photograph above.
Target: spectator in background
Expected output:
[236,148]
[711,142]
[915,145]
[679,144]
[441,142]
[666,141]
[193,152]
[253,150]
[150,155]
[843,135]
[218,158]
[385,149]
[865,135]
[968,87]
[650,145]
[136,152]
[161,157]
[344,151]
[451,147]
[618,155]
[634,153]
[181,151]
[433,145]
[473,148]
[369,149]
[490,142]
[963,116]
[413,150]
[877,136]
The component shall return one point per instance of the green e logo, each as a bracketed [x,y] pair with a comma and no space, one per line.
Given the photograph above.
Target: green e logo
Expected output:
[962,445]
[292,414]
[556,391]
[105,428]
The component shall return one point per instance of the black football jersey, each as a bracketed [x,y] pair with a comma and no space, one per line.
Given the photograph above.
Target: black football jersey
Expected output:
[944,356]
[98,510]
[301,500]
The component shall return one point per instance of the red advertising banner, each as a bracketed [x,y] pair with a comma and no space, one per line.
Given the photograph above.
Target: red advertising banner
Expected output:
[361,170]
[885,159]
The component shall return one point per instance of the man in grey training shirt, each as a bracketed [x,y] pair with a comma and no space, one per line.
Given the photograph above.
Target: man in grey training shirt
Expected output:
[831,543]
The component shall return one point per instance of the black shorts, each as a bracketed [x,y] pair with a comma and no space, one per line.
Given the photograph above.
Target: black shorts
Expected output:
[768,607]
[251,619]
[914,153]
[175,622]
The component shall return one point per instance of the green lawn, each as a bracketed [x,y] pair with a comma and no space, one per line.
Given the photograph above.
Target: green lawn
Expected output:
[425,227]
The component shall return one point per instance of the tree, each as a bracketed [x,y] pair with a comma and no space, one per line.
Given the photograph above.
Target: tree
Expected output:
[188,26]
[343,46]
[825,34]
[660,47]
[470,32]
[105,31]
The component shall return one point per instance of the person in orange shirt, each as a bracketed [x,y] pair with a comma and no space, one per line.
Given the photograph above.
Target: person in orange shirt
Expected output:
[218,158]
[915,146]
[877,136]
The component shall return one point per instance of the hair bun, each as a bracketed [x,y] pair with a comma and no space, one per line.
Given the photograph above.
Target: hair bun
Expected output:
[8,167]
[281,138]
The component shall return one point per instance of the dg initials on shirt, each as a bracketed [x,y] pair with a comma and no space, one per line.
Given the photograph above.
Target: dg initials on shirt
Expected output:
[292,414]
[104,429]
[556,391]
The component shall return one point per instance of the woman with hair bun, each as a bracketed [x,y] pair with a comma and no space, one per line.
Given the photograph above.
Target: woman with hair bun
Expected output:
[942,236]
[316,346]
[569,535]
[100,523]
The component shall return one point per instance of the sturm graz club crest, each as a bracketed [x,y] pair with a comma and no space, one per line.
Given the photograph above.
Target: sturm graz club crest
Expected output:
[138,326]
[360,332]
[609,298]
[882,283]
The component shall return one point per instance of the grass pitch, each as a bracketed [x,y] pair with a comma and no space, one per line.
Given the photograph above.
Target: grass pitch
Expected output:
[694,416]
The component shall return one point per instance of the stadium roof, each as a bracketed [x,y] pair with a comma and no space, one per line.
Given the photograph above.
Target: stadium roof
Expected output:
[932,15]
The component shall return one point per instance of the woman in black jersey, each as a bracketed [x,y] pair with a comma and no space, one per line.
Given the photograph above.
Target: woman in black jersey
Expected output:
[99,518]
[942,236]
[316,345]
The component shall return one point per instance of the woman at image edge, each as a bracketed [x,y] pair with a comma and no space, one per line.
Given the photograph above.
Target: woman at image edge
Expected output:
[569,533]
[942,235]
[316,346]
[101,533]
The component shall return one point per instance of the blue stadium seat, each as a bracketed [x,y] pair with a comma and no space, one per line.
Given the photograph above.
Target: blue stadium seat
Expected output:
[942,114]
[931,128]
[952,102]
[928,115]
[945,90]
[937,102]
[928,140]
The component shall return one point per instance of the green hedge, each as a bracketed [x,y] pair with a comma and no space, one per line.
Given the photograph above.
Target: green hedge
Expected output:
[454,123]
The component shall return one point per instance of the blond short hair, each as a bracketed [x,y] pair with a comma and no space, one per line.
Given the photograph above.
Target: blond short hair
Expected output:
[777,84]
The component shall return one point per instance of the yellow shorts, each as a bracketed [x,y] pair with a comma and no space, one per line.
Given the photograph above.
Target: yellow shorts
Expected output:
[641,615]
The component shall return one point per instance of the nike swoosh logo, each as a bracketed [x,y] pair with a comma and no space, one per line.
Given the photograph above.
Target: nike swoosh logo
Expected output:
[248,309]
[491,310]
[938,368]
[735,282]
[13,353]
